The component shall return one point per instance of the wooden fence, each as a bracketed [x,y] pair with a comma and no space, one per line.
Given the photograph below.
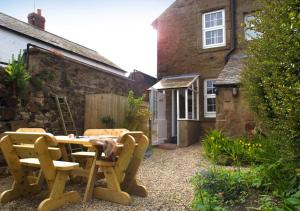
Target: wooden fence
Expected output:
[101,105]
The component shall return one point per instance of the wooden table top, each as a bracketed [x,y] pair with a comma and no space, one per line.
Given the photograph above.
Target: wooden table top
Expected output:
[85,141]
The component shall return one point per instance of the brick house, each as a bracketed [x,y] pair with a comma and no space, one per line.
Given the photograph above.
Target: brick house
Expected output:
[57,66]
[200,53]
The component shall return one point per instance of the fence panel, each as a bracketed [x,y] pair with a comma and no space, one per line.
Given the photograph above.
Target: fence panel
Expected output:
[101,105]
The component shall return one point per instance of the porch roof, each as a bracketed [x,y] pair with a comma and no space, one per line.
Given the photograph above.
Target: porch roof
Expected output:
[175,82]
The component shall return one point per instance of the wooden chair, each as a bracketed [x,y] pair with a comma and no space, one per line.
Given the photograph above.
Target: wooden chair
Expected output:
[23,151]
[129,183]
[114,173]
[85,158]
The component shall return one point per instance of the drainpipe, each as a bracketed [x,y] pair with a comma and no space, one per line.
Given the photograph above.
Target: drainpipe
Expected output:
[233,31]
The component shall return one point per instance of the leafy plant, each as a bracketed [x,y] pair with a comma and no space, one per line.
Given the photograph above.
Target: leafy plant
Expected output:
[227,151]
[218,189]
[137,116]
[271,77]
[108,121]
[16,74]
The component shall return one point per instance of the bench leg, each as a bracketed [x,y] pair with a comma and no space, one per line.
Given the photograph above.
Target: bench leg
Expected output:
[19,191]
[57,196]
[113,191]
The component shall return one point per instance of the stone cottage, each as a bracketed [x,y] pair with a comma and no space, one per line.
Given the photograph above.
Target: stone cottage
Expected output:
[200,57]
[57,67]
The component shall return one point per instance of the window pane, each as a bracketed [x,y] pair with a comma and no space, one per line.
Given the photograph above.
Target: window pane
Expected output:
[181,103]
[190,104]
[195,105]
[214,37]
[250,34]
[214,19]
[211,104]
[210,87]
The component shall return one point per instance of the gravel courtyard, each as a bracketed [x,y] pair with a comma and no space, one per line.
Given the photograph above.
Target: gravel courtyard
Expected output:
[166,175]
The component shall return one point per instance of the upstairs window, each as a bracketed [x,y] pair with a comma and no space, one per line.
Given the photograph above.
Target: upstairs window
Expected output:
[209,99]
[250,33]
[213,24]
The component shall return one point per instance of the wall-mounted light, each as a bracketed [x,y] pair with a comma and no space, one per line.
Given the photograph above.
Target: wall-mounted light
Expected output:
[235,91]
[216,91]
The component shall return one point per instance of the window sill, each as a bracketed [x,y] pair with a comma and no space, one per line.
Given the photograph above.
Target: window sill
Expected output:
[213,49]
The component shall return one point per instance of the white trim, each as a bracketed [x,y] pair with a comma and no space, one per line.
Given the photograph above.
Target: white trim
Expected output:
[173,112]
[198,98]
[186,104]
[206,96]
[204,30]
[177,103]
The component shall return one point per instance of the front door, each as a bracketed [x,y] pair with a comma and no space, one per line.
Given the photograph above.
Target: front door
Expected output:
[158,119]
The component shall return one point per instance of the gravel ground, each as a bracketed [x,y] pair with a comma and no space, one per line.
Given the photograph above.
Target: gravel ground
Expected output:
[166,174]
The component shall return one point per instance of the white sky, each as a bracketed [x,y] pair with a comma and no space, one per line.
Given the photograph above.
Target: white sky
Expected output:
[119,30]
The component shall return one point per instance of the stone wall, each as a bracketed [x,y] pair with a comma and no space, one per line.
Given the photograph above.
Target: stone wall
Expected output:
[189,132]
[53,74]
[233,115]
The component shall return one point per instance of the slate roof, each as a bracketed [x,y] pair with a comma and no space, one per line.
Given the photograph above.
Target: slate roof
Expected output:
[231,73]
[52,39]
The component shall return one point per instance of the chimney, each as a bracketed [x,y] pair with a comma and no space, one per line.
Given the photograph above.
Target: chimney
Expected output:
[36,19]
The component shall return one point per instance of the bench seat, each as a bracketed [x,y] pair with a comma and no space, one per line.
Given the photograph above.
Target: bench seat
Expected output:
[84,154]
[59,165]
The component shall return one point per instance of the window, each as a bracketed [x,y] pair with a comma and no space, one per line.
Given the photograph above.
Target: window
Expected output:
[250,34]
[213,24]
[209,98]
[188,102]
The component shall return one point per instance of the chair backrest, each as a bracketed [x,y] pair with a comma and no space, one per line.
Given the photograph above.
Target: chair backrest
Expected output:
[97,132]
[23,144]
[125,155]
[27,129]
[18,145]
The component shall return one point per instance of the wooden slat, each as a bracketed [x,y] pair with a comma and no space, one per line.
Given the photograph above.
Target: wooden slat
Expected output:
[27,151]
[96,107]
[30,137]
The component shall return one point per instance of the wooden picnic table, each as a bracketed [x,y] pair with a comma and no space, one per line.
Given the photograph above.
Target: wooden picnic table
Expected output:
[120,174]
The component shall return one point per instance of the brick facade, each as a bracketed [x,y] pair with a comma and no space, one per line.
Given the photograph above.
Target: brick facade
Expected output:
[180,48]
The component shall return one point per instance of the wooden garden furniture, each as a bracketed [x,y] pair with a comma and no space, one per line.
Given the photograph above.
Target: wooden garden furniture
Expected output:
[24,151]
[114,173]
[130,184]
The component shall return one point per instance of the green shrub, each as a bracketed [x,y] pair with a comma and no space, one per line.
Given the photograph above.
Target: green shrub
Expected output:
[227,151]
[108,121]
[271,77]
[137,116]
[16,74]
[218,189]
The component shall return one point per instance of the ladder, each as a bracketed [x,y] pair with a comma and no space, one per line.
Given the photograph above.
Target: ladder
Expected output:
[67,121]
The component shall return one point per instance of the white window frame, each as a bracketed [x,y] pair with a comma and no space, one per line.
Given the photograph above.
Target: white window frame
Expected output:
[194,93]
[204,30]
[208,114]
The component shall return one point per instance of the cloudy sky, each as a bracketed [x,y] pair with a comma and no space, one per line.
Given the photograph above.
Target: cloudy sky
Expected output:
[118,29]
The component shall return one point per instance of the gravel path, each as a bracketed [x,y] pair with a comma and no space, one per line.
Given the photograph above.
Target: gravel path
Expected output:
[166,175]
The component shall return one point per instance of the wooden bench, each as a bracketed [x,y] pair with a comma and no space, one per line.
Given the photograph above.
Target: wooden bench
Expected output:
[24,151]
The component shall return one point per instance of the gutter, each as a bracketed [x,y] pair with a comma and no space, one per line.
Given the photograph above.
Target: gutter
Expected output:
[233,25]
